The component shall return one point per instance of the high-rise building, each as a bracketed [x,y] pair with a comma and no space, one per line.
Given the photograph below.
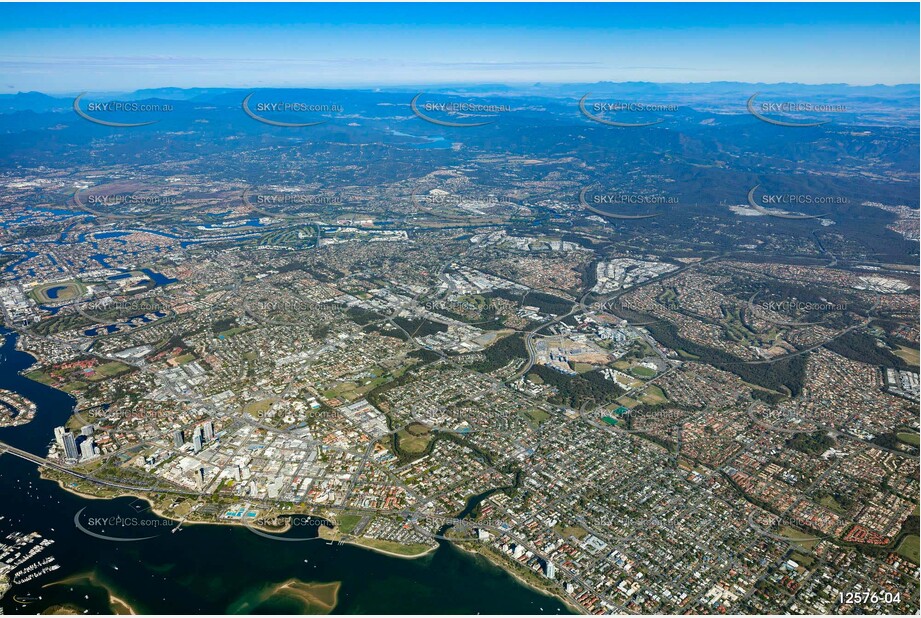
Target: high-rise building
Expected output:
[59,436]
[178,439]
[550,570]
[86,449]
[208,430]
[70,447]
[87,430]
[196,442]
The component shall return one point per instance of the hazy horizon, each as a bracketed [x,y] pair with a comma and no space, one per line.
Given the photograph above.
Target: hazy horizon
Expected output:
[396,87]
[72,48]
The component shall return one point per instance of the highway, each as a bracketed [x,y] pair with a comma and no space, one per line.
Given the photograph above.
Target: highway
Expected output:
[47,463]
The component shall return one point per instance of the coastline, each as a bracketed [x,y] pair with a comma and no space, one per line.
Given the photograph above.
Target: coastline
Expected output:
[393,554]
[493,560]
[120,606]
[330,534]
[62,483]
[292,586]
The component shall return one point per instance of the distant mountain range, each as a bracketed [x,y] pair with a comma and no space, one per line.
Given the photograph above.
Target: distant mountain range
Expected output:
[718,94]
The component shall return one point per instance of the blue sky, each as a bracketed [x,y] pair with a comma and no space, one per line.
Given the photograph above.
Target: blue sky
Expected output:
[65,48]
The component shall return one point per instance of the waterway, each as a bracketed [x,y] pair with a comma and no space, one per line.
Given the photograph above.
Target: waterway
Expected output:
[211,568]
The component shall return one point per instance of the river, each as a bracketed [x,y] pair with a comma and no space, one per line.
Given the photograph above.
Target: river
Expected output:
[212,568]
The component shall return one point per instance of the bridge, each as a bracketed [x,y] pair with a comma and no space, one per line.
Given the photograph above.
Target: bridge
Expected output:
[47,463]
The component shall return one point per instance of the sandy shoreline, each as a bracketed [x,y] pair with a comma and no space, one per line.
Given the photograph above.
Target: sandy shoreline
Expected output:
[392,554]
[120,603]
[296,587]
[285,528]
[119,606]
[547,593]
[330,534]
[185,522]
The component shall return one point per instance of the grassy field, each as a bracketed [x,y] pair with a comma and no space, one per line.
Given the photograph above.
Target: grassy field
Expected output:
[568,531]
[62,323]
[295,237]
[803,539]
[413,549]
[227,334]
[831,503]
[642,372]
[40,376]
[414,438]
[109,370]
[346,523]
[909,355]
[72,387]
[653,395]
[908,438]
[343,390]
[257,408]
[908,548]
[66,290]
[628,402]
[537,416]
[802,559]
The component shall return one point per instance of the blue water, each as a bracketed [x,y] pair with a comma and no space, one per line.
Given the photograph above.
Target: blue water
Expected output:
[214,569]
[52,293]
[435,142]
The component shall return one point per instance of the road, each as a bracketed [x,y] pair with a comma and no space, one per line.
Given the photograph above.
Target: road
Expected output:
[47,463]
